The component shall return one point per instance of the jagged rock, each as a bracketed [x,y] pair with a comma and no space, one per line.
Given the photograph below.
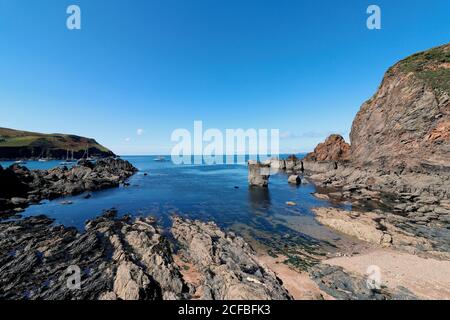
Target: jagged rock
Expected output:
[228,264]
[121,258]
[258,174]
[344,286]
[372,227]
[277,164]
[22,186]
[291,162]
[333,149]
[407,122]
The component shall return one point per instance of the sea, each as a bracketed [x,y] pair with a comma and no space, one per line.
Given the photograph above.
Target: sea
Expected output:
[219,193]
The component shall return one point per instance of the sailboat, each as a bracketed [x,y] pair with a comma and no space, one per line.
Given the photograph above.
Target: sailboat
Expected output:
[41,159]
[159,159]
[86,155]
[68,161]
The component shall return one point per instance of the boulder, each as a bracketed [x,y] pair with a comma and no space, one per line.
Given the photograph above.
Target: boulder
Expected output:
[295,179]
[278,164]
[291,162]
[18,201]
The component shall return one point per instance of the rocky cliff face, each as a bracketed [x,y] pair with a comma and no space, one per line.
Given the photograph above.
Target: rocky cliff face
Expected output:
[399,158]
[407,122]
[333,149]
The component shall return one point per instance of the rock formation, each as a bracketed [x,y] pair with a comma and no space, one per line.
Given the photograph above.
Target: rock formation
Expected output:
[258,174]
[121,258]
[295,179]
[371,227]
[20,186]
[344,286]
[228,264]
[407,122]
[333,149]
[277,164]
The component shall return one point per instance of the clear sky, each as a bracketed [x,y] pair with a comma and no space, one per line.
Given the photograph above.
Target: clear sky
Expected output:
[303,67]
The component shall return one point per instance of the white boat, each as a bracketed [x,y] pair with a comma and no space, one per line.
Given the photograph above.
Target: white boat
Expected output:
[159,159]
[20,162]
[86,155]
[68,161]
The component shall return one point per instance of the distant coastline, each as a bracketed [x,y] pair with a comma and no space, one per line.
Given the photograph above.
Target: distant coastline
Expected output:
[25,145]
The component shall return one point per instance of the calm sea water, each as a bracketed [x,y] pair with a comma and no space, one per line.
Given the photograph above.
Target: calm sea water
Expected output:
[218,192]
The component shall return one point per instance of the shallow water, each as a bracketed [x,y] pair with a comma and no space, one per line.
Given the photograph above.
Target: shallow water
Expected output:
[37,165]
[219,193]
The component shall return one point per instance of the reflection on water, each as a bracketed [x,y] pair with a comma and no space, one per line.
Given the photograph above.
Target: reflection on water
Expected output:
[259,198]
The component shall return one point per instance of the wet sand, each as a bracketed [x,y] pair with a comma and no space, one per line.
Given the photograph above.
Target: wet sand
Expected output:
[299,284]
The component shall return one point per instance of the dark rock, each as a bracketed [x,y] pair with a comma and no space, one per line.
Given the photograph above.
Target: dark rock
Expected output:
[121,258]
[19,182]
[343,286]
[118,258]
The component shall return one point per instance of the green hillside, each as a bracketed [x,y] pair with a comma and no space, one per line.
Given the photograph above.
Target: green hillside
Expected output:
[17,143]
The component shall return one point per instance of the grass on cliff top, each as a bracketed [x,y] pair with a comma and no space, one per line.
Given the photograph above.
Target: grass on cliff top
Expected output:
[18,138]
[428,66]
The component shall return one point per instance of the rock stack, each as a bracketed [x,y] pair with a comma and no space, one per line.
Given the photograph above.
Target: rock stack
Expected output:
[258,174]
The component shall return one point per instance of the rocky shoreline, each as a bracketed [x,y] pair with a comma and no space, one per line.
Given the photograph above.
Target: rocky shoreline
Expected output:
[121,258]
[395,176]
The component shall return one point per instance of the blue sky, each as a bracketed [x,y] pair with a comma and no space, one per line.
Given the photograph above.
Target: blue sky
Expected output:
[303,67]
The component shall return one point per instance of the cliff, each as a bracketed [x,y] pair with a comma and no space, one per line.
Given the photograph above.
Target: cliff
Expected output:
[407,122]
[16,144]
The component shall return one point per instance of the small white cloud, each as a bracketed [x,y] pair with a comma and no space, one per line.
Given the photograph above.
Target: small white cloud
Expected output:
[127,139]
[140,132]
[304,135]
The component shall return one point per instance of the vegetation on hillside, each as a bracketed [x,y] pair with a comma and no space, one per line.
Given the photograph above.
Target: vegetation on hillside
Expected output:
[431,66]
[18,138]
